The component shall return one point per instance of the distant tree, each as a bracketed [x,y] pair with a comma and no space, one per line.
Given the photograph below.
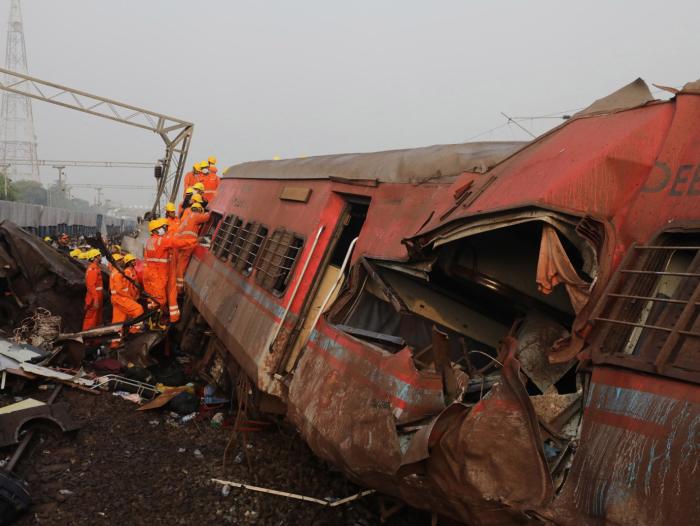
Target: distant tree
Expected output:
[30,192]
[7,193]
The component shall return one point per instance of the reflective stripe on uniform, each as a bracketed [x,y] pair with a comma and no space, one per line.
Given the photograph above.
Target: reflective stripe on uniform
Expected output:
[187,233]
[157,260]
[98,288]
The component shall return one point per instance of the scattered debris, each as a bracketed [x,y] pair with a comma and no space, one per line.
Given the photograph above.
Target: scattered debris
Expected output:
[332,503]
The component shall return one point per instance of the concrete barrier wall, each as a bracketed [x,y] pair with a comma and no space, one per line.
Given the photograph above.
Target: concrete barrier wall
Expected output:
[47,220]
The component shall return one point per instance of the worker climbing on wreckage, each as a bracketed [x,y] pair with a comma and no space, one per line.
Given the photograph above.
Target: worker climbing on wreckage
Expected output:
[210,180]
[190,225]
[94,295]
[124,295]
[187,201]
[157,268]
[171,216]
[191,178]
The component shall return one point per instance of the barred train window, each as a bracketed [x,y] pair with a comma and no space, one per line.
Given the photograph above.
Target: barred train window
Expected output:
[237,247]
[231,236]
[251,239]
[650,319]
[211,225]
[218,241]
[274,267]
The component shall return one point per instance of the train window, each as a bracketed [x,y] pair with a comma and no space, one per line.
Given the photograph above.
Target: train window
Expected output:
[218,241]
[239,242]
[650,318]
[252,238]
[211,225]
[275,265]
[231,236]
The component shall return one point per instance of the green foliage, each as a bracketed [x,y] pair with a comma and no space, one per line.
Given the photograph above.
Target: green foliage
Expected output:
[30,192]
[7,193]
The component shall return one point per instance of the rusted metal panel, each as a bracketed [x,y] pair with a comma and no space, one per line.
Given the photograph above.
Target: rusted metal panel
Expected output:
[638,459]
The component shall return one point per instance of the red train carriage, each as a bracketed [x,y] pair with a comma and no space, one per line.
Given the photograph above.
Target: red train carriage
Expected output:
[496,331]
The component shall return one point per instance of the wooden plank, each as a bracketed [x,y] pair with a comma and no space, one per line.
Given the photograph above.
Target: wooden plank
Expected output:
[295,193]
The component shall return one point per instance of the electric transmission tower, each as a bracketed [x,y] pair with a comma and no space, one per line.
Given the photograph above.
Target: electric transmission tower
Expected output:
[17,138]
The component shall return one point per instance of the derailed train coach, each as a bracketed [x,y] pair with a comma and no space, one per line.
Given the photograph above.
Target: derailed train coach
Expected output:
[500,332]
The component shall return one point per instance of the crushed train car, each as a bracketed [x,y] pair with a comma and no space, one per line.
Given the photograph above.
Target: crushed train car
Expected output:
[501,332]
[32,274]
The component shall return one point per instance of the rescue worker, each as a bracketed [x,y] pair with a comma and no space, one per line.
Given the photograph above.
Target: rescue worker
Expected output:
[157,254]
[212,161]
[124,306]
[192,177]
[204,169]
[171,216]
[94,294]
[189,229]
[210,181]
[187,201]
[199,190]
[130,272]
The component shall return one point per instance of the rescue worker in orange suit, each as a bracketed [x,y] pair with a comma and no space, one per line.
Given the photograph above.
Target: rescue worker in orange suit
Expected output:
[192,177]
[124,304]
[157,253]
[171,216]
[210,180]
[94,295]
[187,201]
[130,272]
[173,225]
[189,229]
[199,191]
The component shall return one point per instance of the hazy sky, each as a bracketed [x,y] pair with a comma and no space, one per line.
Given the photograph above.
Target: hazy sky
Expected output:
[290,78]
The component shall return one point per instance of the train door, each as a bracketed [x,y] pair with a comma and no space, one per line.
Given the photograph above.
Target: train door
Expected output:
[331,275]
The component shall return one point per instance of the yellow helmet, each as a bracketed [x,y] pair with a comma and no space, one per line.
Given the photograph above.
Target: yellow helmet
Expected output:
[197,206]
[157,223]
[204,164]
[83,255]
[47,239]
[196,198]
[189,190]
[128,258]
[198,186]
[170,207]
[212,160]
[116,248]
[92,254]
[196,167]
[117,257]
[75,252]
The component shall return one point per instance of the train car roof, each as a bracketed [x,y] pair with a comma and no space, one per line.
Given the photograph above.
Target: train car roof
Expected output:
[414,165]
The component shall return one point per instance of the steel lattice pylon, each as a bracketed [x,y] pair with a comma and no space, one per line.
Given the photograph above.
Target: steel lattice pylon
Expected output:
[17,137]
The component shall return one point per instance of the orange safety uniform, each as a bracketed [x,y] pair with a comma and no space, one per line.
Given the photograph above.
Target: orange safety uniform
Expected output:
[123,304]
[211,184]
[191,178]
[190,224]
[133,289]
[93,296]
[157,254]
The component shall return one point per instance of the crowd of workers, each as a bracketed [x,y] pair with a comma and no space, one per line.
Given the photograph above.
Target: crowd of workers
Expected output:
[159,277]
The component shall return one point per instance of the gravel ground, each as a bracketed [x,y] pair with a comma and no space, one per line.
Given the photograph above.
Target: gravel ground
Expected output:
[128,467]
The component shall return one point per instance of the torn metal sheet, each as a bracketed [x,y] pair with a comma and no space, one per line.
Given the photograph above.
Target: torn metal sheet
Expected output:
[58,375]
[536,335]
[18,416]
[634,94]
[20,352]
[637,460]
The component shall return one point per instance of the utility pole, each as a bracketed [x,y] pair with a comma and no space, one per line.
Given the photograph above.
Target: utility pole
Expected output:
[17,136]
[61,177]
